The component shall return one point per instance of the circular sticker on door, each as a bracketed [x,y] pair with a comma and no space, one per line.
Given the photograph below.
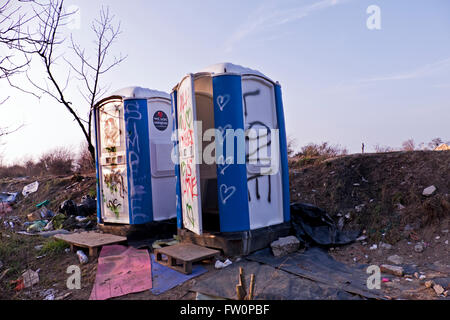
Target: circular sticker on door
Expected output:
[160,120]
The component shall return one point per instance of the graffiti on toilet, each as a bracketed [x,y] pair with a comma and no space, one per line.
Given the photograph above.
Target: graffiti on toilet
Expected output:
[187,152]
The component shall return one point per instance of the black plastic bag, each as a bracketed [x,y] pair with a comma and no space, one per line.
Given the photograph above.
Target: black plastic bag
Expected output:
[313,225]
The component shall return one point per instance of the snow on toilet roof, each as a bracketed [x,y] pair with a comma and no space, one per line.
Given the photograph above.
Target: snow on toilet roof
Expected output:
[227,67]
[140,93]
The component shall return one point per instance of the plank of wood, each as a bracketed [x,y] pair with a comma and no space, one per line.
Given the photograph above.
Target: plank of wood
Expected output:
[240,293]
[188,252]
[252,287]
[242,279]
[90,239]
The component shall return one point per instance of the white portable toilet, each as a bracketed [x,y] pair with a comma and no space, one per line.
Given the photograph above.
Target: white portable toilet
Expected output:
[240,205]
[135,173]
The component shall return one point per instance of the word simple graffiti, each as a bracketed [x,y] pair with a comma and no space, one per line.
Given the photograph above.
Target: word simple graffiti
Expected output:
[137,178]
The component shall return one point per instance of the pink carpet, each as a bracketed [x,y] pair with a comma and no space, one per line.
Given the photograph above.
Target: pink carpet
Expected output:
[121,270]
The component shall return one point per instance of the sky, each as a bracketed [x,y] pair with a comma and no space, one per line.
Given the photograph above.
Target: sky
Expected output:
[342,82]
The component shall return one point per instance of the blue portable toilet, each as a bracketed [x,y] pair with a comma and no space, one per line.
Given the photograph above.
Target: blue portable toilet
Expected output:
[135,173]
[239,202]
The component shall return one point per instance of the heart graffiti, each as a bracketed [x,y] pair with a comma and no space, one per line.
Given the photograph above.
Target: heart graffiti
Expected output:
[223,130]
[226,192]
[222,101]
[224,164]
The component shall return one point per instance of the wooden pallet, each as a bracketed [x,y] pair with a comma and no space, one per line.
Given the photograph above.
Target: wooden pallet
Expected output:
[181,256]
[90,240]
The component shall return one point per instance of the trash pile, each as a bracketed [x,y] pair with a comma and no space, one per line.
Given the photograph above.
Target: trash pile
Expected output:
[70,216]
[6,200]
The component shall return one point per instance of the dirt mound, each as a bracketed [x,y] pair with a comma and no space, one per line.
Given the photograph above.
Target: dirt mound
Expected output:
[380,193]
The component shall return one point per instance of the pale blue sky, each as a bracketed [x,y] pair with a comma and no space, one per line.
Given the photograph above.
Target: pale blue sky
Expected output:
[341,82]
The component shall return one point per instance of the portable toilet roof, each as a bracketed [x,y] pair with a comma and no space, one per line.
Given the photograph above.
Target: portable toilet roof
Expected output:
[135,92]
[227,67]
[140,93]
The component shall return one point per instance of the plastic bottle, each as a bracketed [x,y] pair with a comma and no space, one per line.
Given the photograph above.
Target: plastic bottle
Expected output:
[82,257]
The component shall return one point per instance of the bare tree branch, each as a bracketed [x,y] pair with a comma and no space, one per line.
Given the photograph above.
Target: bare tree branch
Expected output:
[46,41]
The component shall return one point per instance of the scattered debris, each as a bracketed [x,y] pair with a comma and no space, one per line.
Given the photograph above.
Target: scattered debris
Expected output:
[220,265]
[429,191]
[45,234]
[362,238]
[30,188]
[5,207]
[87,207]
[48,294]
[43,203]
[164,243]
[394,270]
[418,248]
[37,226]
[81,219]
[373,247]
[429,283]
[49,226]
[8,197]
[314,225]
[42,213]
[360,207]
[438,289]
[82,257]
[284,246]
[29,278]
[385,246]
[69,208]
[385,280]
[63,296]
[395,259]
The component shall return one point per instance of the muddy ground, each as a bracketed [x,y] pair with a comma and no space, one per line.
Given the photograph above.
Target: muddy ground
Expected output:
[379,194]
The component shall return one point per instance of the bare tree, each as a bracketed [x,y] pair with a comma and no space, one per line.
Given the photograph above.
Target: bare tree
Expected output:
[291,142]
[409,145]
[435,143]
[13,20]
[50,40]
[379,148]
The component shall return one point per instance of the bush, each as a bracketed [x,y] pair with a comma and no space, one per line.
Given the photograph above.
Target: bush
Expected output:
[85,163]
[58,161]
[324,150]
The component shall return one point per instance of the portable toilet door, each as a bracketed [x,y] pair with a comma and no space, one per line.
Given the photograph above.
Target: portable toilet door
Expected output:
[242,193]
[135,173]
